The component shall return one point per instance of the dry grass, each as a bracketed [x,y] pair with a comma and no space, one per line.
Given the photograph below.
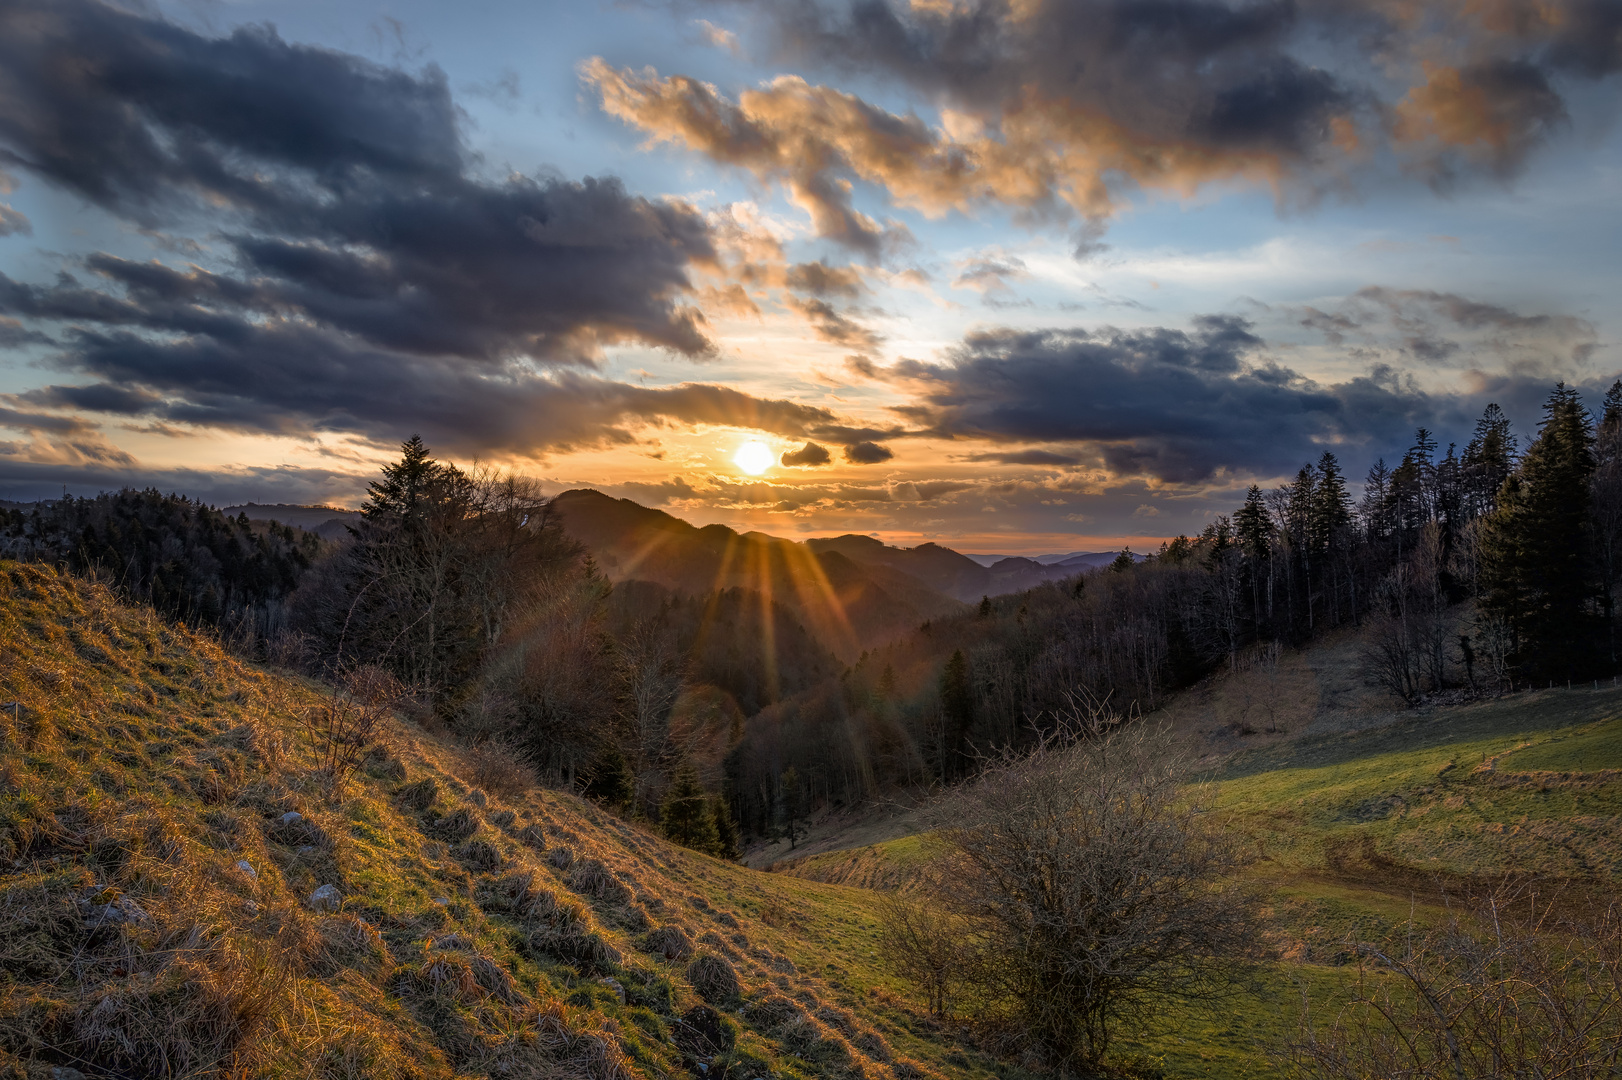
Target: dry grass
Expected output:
[165,813]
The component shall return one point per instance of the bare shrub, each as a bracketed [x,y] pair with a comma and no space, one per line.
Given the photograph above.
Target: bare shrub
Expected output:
[349,719]
[929,946]
[1493,995]
[500,769]
[1095,888]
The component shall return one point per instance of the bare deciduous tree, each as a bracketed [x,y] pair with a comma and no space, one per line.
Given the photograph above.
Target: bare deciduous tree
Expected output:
[1096,886]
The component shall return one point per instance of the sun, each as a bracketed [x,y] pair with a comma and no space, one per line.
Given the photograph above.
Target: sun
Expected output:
[754,458]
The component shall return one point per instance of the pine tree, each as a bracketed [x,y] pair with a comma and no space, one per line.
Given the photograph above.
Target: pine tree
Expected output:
[1536,546]
[405,483]
[685,814]
[1606,493]
[957,709]
[728,839]
[609,780]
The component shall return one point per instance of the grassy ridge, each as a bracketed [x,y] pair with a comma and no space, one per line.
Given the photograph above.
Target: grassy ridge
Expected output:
[155,916]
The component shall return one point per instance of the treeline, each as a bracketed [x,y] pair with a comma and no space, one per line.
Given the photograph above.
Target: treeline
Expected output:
[1475,570]
[189,561]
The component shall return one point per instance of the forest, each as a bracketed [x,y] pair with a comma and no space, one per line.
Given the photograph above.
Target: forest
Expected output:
[762,679]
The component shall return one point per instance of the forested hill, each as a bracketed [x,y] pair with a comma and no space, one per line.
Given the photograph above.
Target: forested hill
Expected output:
[853,591]
[848,605]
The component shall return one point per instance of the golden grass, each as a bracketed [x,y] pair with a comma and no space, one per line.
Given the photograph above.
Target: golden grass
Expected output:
[154,894]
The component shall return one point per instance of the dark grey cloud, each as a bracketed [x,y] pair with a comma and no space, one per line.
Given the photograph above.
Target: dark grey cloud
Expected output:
[1028,457]
[1175,405]
[867,453]
[373,275]
[25,480]
[808,456]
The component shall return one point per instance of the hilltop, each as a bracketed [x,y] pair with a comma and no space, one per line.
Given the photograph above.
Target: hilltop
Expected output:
[163,828]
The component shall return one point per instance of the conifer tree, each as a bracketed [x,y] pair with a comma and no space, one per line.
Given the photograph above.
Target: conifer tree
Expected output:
[1607,511]
[609,780]
[1536,546]
[686,815]
[957,708]
[728,839]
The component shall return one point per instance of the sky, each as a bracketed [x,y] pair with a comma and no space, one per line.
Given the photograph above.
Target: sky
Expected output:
[1019,277]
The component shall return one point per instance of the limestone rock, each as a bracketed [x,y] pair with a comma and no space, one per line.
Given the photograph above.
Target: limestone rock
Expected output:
[326,898]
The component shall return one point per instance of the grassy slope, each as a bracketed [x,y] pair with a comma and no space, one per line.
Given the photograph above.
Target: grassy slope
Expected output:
[139,764]
[1355,828]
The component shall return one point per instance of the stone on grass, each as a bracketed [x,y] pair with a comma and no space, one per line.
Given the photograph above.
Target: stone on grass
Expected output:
[326,898]
[292,817]
[247,868]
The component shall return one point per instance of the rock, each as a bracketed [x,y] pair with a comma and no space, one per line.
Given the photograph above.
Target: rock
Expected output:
[62,1072]
[614,985]
[306,850]
[326,898]
[121,912]
[247,868]
[292,817]
[250,907]
[442,901]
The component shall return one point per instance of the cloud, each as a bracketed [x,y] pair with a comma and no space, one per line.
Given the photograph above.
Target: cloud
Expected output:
[14,222]
[1178,406]
[867,453]
[658,494]
[716,36]
[831,325]
[1028,457]
[989,274]
[820,279]
[373,279]
[1446,328]
[1062,108]
[808,456]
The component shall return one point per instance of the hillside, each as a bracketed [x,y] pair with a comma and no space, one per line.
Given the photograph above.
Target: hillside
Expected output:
[163,830]
[849,606]
[1357,817]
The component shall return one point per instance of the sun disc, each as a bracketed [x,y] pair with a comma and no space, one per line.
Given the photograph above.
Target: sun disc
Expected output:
[754,458]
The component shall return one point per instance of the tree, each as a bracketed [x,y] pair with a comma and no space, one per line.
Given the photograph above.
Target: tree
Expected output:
[1097,886]
[1606,501]
[609,780]
[728,839]
[1536,546]
[685,814]
[957,711]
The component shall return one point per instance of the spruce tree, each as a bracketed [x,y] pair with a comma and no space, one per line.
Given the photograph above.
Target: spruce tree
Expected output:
[685,814]
[957,709]
[728,840]
[609,780]
[1537,568]
[405,483]
[1606,493]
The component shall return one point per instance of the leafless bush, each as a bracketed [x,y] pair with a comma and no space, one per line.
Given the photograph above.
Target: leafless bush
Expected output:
[1493,995]
[1096,888]
[349,719]
[500,769]
[929,946]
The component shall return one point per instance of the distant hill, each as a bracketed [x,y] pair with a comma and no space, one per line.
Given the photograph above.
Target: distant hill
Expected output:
[1071,562]
[848,604]
[327,522]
